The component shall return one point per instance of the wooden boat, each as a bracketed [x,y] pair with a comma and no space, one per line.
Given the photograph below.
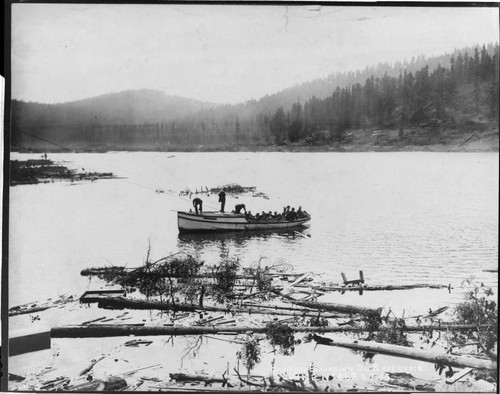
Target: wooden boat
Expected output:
[216,221]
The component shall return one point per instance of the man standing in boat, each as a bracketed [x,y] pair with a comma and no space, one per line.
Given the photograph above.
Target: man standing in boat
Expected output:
[222,199]
[198,205]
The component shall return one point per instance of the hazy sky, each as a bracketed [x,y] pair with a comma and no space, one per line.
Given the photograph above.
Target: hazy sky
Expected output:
[220,53]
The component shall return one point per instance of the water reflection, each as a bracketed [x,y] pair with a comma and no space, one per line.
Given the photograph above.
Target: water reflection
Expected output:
[240,238]
[241,241]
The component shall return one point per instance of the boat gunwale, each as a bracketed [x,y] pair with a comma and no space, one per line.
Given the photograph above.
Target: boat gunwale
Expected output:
[201,218]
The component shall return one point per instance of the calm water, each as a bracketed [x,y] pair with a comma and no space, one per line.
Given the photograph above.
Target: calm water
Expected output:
[400,217]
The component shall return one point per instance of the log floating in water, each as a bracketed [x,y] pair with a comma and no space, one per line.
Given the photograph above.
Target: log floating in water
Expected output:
[327,306]
[110,270]
[29,310]
[401,351]
[121,303]
[117,270]
[185,377]
[374,288]
[126,330]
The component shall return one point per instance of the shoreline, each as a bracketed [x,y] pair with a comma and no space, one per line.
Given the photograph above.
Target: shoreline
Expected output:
[415,139]
[287,149]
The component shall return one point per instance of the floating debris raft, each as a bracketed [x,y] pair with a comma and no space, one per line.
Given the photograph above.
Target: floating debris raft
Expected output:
[34,171]
[231,188]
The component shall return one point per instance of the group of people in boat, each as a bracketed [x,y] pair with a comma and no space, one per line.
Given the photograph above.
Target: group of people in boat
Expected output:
[287,214]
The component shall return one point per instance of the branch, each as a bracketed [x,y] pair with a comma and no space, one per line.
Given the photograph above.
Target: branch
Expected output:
[247,381]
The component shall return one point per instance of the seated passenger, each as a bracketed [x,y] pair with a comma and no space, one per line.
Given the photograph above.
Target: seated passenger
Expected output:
[300,213]
[292,215]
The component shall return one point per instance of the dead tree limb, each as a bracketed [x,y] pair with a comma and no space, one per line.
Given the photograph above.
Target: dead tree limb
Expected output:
[91,365]
[247,381]
[401,351]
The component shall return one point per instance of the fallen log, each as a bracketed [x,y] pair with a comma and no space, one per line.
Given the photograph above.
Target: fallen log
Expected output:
[125,330]
[408,381]
[327,306]
[122,303]
[406,352]
[29,310]
[185,377]
[123,270]
[287,384]
[112,383]
[374,288]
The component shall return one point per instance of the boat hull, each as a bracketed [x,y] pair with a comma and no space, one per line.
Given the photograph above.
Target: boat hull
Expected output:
[215,221]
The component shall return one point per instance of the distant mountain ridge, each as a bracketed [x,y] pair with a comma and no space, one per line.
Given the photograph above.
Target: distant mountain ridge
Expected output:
[417,92]
[148,106]
[323,87]
[130,107]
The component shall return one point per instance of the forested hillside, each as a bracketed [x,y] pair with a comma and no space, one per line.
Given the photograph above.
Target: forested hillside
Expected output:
[456,92]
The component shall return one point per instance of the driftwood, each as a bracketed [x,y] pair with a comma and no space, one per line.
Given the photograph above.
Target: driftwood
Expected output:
[408,381]
[184,377]
[29,310]
[91,365]
[121,303]
[327,306]
[206,274]
[288,385]
[401,351]
[374,288]
[112,383]
[55,384]
[125,330]
[105,270]
[247,382]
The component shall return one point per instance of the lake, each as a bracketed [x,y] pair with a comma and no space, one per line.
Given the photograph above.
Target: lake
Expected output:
[401,218]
